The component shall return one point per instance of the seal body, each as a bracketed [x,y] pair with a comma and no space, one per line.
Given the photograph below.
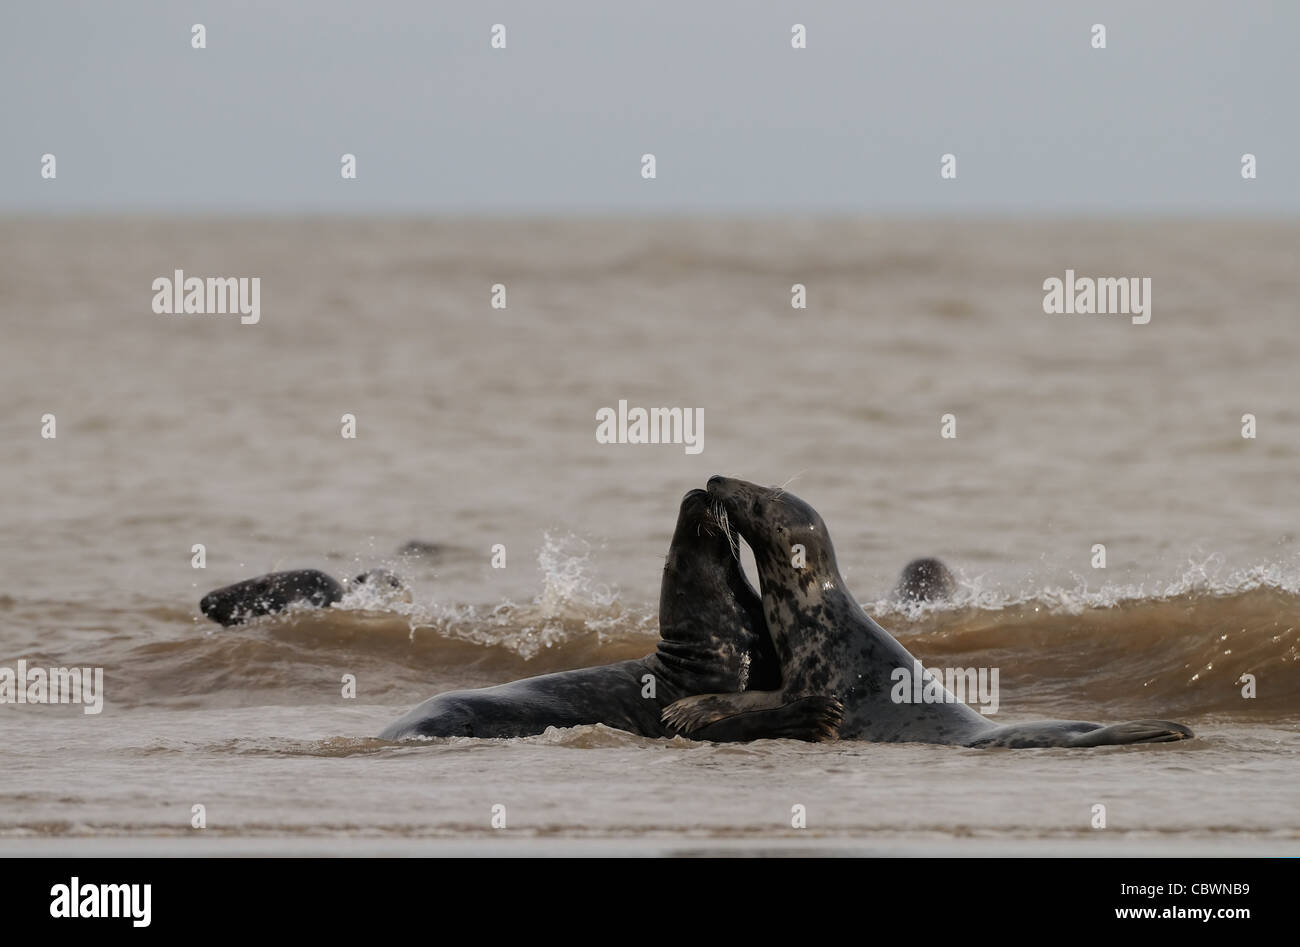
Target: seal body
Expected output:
[712,639]
[616,695]
[276,591]
[828,645]
[266,594]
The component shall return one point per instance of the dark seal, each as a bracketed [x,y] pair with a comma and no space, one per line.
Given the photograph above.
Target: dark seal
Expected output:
[925,580]
[276,591]
[828,645]
[713,639]
[270,593]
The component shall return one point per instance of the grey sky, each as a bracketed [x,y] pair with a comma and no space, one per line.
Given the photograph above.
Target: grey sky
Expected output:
[738,121]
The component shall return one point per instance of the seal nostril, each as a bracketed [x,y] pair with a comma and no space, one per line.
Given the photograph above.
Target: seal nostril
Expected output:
[716,481]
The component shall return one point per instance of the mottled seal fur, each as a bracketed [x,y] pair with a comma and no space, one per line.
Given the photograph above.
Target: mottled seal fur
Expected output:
[828,645]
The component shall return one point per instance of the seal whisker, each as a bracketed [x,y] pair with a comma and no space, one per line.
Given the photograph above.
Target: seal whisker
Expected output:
[780,491]
[719,514]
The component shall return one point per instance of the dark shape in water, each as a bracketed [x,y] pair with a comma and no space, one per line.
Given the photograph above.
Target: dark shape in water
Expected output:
[419,548]
[276,591]
[270,593]
[925,580]
[379,577]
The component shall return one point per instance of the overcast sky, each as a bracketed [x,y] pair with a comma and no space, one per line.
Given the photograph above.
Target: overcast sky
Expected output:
[1040,122]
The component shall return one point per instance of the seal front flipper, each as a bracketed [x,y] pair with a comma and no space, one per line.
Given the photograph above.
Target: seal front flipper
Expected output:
[691,713]
[755,715]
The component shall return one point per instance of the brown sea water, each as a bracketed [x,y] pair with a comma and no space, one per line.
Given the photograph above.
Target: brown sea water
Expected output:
[476,427]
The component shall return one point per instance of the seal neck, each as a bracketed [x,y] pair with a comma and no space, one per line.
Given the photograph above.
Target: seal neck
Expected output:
[712,634]
[693,669]
[816,577]
[804,595]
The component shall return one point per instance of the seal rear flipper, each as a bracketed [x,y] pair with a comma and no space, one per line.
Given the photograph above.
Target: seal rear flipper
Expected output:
[1134,731]
[756,715]
[1079,733]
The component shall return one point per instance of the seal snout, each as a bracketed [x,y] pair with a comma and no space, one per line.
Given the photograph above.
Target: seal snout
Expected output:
[697,506]
[217,607]
[722,489]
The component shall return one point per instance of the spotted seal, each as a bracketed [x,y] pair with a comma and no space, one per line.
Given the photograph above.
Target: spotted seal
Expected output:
[828,645]
[274,592]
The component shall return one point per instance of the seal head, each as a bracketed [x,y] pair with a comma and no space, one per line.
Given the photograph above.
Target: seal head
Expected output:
[925,580]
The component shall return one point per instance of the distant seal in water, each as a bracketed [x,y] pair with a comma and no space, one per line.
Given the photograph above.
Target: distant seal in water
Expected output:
[828,645]
[266,594]
[925,580]
[419,548]
[381,578]
[712,639]
[276,591]
[389,585]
